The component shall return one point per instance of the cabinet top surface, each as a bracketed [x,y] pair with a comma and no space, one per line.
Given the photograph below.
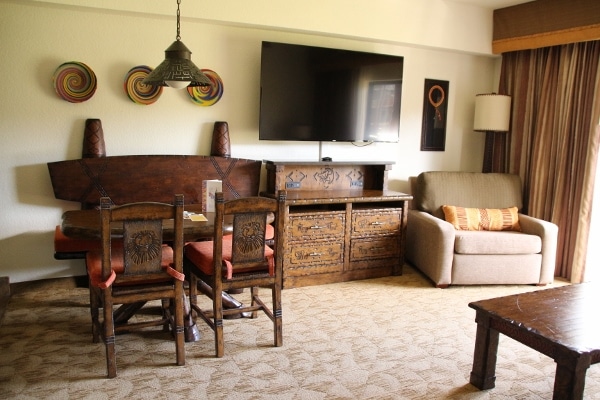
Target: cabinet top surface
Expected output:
[298,162]
[343,196]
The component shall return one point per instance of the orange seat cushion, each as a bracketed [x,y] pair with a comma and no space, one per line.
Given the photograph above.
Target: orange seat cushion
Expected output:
[93,262]
[201,255]
[65,244]
[269,232]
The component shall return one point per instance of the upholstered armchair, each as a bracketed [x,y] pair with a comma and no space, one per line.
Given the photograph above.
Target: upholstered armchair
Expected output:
[479,237]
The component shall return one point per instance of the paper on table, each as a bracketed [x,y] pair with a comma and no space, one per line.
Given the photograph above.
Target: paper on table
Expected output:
[198,217]
[193,216]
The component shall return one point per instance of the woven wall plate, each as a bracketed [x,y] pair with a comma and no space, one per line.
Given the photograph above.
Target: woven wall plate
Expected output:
[207,95]
[74,82]
[137,91]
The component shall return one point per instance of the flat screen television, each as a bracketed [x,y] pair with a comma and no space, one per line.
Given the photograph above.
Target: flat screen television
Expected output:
[321,94]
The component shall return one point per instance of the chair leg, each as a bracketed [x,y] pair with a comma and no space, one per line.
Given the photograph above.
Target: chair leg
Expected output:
[254,296]
[193,293]
[277,315]
[94,311]
[167,313]
[178,325]
[217,301]
[109,338]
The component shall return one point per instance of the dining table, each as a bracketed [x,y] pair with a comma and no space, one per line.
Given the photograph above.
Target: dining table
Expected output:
[86,224]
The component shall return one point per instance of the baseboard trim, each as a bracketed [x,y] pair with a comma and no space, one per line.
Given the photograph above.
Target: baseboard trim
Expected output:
[4,295]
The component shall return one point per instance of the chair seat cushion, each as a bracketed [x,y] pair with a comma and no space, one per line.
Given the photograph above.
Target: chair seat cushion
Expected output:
[269,232]
[496,242]
[200,254]
[93,263]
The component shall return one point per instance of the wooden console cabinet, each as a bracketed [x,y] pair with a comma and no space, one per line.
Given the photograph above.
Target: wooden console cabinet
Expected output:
[342,223]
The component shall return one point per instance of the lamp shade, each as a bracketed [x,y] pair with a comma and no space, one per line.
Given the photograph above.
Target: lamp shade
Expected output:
[492,112]
[177,70]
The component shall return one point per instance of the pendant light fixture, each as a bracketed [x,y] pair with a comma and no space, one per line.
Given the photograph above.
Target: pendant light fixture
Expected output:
[177,70]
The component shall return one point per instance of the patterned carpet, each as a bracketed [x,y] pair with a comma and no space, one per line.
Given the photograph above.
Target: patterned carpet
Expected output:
[388,338]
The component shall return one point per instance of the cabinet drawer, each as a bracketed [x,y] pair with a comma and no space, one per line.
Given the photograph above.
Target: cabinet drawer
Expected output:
[323,252]
[374,248]
[311,226]
[376,221]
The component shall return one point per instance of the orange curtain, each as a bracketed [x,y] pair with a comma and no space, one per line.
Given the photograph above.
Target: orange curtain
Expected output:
[554,139]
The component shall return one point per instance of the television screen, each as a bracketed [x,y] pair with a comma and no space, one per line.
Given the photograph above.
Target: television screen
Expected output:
[322,94]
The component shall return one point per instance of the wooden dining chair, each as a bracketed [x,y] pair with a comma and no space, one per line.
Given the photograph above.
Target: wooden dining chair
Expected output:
[138,269]
[237,260]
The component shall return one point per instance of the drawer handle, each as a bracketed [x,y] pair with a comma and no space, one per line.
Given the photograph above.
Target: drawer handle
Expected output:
[317,227]
[377,248]
[315,254]
[376,223]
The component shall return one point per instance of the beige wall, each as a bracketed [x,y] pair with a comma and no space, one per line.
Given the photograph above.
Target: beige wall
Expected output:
[439,39]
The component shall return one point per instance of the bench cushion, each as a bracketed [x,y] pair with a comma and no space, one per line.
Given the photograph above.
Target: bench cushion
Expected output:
[65,244]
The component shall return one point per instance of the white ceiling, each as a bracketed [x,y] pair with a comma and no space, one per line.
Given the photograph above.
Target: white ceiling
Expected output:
[493,4]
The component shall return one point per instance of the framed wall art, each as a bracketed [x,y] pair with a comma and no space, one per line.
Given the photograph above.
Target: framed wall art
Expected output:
[435,108]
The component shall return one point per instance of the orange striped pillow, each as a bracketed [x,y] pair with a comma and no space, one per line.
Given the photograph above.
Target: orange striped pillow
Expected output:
[482,219]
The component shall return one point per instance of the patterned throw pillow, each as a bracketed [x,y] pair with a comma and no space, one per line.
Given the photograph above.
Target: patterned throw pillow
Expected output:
[482,219]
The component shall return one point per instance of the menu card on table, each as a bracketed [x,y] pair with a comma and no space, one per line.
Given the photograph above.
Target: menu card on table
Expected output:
[209,188]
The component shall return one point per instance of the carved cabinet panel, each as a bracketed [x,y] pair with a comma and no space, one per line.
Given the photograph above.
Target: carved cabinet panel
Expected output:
[375,238]
[315,243]
[374,251]
[376,221]
[314,258]
[312,226]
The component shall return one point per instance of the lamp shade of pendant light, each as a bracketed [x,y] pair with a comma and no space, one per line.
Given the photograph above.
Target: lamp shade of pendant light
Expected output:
[177,70]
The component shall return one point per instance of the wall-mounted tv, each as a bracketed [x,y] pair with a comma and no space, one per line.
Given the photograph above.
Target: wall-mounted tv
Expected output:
[321,94]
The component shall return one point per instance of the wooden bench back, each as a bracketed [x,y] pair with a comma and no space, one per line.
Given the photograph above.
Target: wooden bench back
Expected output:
[128,179]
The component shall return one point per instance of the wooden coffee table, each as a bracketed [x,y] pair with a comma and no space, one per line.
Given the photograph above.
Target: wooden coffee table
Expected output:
[563,323]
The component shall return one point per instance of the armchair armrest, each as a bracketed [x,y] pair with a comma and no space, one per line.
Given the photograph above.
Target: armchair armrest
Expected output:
[430,246]
[548,232]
